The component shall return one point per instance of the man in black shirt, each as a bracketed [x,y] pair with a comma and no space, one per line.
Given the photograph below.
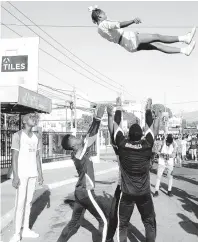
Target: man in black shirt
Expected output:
[134,155]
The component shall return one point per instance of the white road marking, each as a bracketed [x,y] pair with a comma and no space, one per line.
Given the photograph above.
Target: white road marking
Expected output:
[8,217]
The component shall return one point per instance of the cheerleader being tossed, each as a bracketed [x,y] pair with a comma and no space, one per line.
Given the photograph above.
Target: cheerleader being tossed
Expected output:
[114,32]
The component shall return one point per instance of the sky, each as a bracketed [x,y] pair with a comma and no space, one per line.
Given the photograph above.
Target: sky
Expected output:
[166,78]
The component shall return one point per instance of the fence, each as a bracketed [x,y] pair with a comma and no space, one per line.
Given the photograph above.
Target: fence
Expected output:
[51,147]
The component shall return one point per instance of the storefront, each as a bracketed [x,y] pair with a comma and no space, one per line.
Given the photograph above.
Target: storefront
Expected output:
[18,101]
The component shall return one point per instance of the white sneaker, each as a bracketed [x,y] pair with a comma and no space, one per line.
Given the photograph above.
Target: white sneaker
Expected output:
[29,234]
[190,36]
[16,238]
[190,48]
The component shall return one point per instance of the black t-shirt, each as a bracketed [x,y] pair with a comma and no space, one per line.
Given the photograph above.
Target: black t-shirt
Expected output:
[134,164]
[134,160]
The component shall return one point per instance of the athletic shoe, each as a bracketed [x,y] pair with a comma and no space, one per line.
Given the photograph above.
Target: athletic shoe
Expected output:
[29,234]
[16,238]
[190,36]
[156,194]
[190,48]
[170,193]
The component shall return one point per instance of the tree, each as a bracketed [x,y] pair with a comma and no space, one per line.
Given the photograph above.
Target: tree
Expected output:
[131,118]
[84,123]
[12,121]
[161,108]
[184,123]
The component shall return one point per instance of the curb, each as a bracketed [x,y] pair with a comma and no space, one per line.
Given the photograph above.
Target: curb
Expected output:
[7,219]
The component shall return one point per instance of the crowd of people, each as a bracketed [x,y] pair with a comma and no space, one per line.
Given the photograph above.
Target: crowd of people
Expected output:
[186,147]
[133,154]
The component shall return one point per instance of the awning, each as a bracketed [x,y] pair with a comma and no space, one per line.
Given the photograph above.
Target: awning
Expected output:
[16,99]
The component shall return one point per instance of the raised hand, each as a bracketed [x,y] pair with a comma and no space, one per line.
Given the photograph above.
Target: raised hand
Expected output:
[118,102]
[100,111]
[137,21]
[40,180]
[148,104]
[110,109]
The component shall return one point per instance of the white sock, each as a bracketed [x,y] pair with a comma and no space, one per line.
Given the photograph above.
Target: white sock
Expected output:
[183,38]
[183,50]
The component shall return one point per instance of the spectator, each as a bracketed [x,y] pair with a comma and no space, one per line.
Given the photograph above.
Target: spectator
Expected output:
[193,147]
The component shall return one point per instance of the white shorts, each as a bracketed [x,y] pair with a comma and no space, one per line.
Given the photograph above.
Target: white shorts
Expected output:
[129,41]
[194,152]
[183,152]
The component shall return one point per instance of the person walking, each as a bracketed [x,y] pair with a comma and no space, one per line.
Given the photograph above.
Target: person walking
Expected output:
[166,161]
[193,147]
[184,149]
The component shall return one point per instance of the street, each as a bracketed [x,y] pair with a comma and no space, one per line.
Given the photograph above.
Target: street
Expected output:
[177,217]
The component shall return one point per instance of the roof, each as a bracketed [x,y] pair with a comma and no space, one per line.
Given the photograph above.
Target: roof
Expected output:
[16,99]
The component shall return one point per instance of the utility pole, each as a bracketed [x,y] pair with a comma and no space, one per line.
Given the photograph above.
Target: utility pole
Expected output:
[5,126]
[66,116]
[75,113]
[71,108]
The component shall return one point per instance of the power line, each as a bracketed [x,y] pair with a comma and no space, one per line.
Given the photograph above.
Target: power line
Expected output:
[62,92]
[184,102]
[64,82]
[11,29]
[58,96]
[62,45]
[50,94]
[68,65]
[92,26]
[82,98]
[51,74]
[72,52]
[62,61]
[75,69]
[58,49]
[54,89]
[40,66]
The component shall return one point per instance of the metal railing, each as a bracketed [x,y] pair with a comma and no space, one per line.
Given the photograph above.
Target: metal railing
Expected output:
[51,147]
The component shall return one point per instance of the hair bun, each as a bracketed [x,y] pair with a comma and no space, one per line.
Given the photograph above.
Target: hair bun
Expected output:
[91,9]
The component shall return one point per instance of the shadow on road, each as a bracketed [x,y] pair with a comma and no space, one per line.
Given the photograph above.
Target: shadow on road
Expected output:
[186,224]
[4,178]
[104,201]
[105,182]
[83,223]
[186,179]
[189,203]
[39,206]
[192,165]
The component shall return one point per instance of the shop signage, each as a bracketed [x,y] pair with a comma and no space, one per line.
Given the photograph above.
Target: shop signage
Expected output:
[14,63]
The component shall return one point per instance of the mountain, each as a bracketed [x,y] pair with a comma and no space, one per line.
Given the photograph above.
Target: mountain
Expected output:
[191,116]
